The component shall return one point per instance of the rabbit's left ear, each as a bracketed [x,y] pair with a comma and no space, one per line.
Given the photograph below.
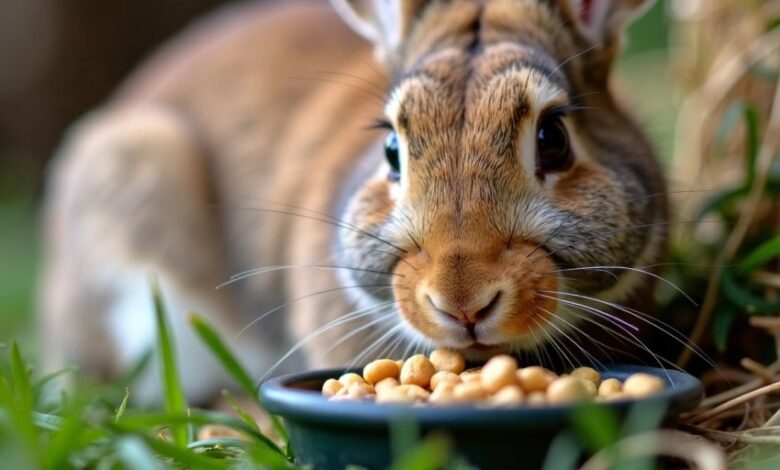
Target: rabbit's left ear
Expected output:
[602,21]
[383,22]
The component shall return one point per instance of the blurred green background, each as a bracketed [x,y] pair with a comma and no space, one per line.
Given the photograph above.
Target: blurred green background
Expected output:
[93,44]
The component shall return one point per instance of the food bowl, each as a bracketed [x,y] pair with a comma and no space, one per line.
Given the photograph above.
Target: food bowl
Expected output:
[335,434]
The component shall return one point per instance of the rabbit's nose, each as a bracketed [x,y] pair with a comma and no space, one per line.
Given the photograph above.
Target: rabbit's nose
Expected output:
[479,308]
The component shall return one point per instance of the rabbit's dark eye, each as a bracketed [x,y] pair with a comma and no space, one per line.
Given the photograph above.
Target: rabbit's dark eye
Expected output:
[391,153]
[553,152]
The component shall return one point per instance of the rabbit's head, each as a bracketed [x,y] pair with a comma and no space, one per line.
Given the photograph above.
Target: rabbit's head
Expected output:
[513,186]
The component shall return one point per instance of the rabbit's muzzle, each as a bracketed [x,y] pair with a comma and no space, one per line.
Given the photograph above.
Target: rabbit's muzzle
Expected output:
[477,296]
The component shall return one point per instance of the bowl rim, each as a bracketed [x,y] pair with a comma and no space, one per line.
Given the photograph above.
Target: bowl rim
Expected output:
[683,392]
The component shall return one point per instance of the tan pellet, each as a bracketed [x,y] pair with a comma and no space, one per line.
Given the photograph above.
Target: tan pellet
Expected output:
[470,375]
[449,361]
[610,387]
[351,378]
[536,398]
[386,383]
[590,386]
[414,391]
[331,387]
[535,378]
[499,372]
[354,391]
[393,395]
[470,391]
[567,390]
[380,369]
[588,373]
[443,377]
[417,370]
[642,385]
[508,396]
[444,394]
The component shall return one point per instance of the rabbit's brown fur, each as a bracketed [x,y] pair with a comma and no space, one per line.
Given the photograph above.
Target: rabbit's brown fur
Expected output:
[245,144]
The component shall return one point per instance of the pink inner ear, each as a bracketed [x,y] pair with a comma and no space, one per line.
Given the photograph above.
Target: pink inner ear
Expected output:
[586,11]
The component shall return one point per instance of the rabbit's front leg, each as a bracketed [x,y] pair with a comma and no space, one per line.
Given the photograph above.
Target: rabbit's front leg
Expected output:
[130,200]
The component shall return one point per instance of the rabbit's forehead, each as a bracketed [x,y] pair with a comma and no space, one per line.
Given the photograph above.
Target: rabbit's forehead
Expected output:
[474,104]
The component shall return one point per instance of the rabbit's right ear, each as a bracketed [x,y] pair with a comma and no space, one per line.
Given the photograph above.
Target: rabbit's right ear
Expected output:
[383,22]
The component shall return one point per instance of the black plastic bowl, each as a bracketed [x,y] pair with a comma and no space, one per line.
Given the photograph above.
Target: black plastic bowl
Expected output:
[333,435]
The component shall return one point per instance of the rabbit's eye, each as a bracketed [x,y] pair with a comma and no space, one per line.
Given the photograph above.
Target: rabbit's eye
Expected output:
[553,152]
[391,153]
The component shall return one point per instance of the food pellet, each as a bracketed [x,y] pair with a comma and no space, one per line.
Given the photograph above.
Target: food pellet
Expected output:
[380,369]
[442,380]
[354,391]
[567,390]
[642,385]
[443,394]
[588,374]
[499,372]
[610,387]
[331,387]
[386,383]
[351,378]
[592,390]
[470,391]
[449,361]
[443,377]
[417,370]
[535,378]
[508,396]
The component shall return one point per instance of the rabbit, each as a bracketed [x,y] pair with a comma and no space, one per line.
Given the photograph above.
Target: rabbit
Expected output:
[331,182]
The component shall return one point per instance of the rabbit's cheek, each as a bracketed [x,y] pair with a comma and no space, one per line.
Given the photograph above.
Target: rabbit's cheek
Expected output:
[530,282]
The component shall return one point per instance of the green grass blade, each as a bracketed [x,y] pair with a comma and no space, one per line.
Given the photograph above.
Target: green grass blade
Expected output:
[597,427]
[240,411]
[225,356]
[185,457]
[745,299]
[432,454]
[760,256]
[136,455]
[141,422]
[173,393]
[122,406]
[234,367]
[20,376]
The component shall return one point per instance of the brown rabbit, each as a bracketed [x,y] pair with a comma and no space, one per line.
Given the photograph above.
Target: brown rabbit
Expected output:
[500,186]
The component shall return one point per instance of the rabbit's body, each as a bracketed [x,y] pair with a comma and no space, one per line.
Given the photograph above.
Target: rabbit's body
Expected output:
[246,144]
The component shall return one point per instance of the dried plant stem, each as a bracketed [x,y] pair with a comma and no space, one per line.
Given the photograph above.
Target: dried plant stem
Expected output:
[766,154]
[705,416]
[767,278]
[669,443]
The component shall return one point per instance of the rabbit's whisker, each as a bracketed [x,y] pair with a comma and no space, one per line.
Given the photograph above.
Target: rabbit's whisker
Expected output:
[267,269]
[376,343]
[355,332]
[324,218]
[609,317]
[632,269]
[580,334]
[358,314]
[313,294]
[656,323]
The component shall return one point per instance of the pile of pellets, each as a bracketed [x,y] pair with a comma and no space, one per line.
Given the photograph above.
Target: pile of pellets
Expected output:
[441,379]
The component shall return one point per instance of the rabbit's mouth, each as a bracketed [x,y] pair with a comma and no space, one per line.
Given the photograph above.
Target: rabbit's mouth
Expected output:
[480,302]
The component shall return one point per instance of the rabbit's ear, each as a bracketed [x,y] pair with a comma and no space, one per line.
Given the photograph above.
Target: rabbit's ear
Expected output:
[602,21]
[383,22]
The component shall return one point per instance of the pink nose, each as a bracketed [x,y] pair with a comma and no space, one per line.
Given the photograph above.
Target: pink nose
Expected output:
[468,314]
